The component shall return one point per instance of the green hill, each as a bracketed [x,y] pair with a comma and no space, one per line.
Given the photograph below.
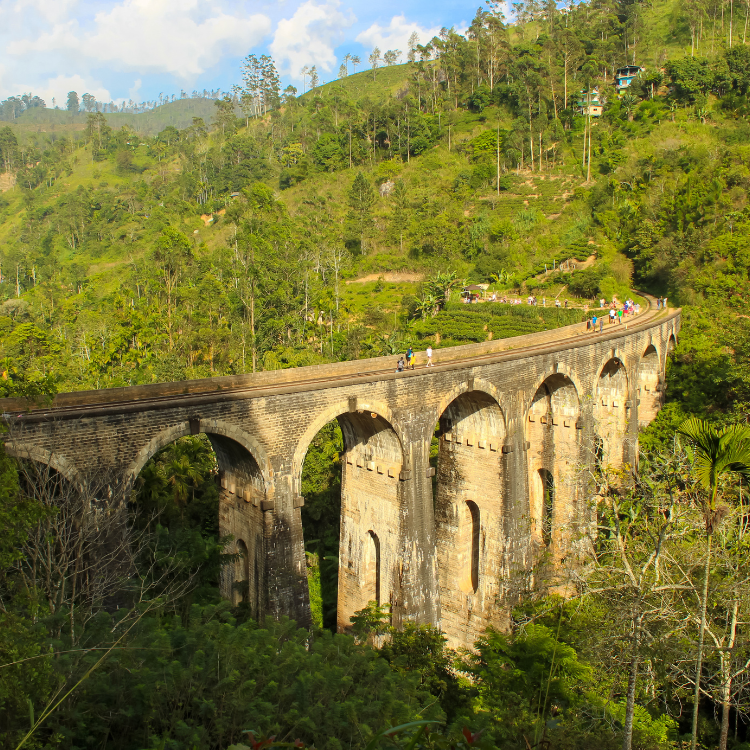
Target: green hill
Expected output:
[362,197]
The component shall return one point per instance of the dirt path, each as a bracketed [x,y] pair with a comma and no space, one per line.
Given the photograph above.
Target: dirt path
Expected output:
[390,276]
[7,181]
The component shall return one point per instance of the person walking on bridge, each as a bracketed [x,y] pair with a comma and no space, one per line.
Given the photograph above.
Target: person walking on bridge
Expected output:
[409,358]
[429,356]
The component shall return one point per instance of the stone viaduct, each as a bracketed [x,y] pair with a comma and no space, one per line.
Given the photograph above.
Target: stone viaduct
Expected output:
[521,422]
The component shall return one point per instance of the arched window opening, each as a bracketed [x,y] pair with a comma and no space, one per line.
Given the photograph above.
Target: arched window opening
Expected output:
[598,457]
[470,537]
[372,567]
[548,501]
[241,573]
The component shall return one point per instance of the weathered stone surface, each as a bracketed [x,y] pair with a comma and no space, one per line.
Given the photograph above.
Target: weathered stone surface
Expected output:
[522,424]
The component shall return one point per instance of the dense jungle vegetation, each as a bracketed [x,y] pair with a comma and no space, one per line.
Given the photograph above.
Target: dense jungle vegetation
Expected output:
[285,230]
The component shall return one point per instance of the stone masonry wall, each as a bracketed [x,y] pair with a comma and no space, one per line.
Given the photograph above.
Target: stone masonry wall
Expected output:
[452,562]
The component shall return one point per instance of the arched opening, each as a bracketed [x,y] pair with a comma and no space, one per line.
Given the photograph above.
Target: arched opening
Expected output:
[372,567]
[547,481]
[351,516]
[205,494]
[469,548]
[649,386]
[241,573]
[671,344]
[469,503]
[612,412]
[553,430]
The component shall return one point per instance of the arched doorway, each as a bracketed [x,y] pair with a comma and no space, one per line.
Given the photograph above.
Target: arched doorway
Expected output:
[649,386]
[361,490]
[469,502]
[553,432]
[612,413]
[207,487]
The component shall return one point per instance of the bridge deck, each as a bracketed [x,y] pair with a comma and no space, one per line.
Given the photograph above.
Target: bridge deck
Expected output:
[314,377]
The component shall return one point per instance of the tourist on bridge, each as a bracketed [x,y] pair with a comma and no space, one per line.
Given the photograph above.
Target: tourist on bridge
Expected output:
[429,356]
[410,357]
[400,366]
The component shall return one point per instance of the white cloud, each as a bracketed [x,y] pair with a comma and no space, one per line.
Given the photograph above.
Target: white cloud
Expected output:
[310,36]
[395,35]
[181,37]
[59,87]
[133,92]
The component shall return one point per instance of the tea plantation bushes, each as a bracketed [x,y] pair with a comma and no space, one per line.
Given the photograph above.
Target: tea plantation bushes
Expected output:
[465,324]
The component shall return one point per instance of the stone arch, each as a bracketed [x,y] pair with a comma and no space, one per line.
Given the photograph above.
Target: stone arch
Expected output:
[650,385]
[563,372]
[554,444]
[612,410]
[478,384]
[212,427]
[372,497]
[334,411]
[469,512]
[59,463]
[671,344]
[242,494]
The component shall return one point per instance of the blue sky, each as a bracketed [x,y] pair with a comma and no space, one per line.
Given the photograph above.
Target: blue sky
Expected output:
[138,48]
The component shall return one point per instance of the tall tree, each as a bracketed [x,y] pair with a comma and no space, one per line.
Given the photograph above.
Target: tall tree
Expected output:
[718,452]
[73,104]
[361,198]
[374,59]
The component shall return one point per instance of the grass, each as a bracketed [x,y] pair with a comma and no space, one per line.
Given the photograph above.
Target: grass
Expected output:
[388,81]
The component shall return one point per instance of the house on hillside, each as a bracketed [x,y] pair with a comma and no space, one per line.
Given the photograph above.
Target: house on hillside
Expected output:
[590,103]
[625,76]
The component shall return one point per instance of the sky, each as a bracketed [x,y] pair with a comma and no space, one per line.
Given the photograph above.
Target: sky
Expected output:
[137,49]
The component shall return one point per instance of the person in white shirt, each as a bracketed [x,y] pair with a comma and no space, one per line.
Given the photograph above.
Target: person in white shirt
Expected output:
[429,357]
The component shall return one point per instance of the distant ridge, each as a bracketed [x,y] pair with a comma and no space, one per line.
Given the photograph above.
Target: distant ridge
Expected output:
[179,114]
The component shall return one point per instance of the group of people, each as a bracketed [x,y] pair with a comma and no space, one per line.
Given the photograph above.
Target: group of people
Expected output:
[616,313]
[661,303]
[409,363]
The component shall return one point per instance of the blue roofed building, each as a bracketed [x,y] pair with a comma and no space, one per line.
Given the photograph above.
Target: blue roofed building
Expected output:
[625,76]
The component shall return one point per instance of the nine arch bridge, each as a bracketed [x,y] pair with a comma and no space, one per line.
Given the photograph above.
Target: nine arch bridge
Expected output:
[521,424]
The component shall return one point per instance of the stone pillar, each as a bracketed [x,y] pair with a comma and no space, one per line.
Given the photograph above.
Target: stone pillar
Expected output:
[286,575]
[418,597]
[470,516]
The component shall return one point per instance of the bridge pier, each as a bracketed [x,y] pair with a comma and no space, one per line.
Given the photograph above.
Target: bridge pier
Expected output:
[522,426]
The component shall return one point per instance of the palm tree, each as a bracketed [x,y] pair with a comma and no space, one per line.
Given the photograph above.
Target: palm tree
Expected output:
[628,104]
[183,477]
[717,452]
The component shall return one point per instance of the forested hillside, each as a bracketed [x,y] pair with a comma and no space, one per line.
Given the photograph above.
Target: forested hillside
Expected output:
[279,230]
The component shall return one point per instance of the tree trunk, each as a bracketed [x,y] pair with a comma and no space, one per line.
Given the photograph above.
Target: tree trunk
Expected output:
[701,634]
[726,687]
[252,322]
[627,736]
